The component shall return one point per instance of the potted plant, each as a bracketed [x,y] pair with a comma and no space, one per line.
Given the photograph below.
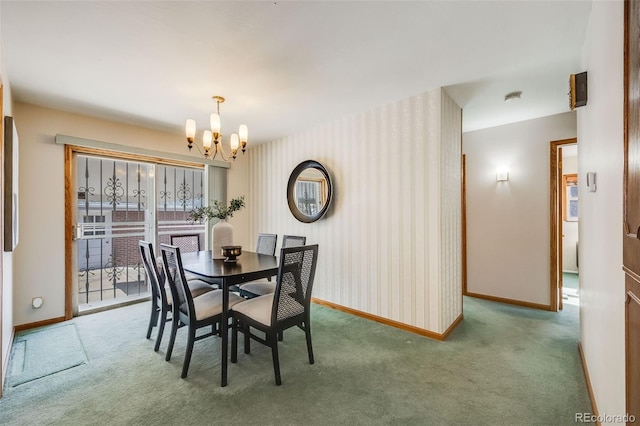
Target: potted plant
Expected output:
[217,210]
[222,231]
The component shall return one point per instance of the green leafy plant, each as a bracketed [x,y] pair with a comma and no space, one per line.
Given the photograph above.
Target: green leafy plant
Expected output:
[217,210]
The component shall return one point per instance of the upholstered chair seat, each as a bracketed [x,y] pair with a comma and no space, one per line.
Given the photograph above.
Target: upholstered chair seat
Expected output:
[209,304]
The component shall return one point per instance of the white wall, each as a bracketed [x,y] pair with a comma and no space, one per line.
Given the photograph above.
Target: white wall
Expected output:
[390,243]
[508,222]
[600,133]
[38,261]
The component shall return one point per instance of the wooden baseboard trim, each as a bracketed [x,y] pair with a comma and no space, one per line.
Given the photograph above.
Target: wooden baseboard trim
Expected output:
[31,325]
[511,301]
[594,406]
[391,323]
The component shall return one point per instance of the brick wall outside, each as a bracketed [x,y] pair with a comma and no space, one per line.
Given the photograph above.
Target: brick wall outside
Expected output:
[125,249]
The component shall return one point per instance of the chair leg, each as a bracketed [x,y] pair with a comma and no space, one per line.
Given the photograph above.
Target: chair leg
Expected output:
[273,340]
[163,320]
[280,335]
[234,339]
[247,339]
[153,320]
[187,357]
[172,338]
[307,332]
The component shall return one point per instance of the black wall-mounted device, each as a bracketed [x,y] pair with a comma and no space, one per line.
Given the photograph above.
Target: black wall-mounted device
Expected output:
[577,90]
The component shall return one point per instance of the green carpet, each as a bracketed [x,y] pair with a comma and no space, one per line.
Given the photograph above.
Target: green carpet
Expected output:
[570,280]
[44,351]
[503,365]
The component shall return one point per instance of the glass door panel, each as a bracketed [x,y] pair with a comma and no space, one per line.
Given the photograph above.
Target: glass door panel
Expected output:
[178,191]
[117,205]
[112,216]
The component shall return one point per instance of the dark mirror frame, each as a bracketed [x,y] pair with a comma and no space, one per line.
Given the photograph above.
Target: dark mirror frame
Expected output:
[291,185]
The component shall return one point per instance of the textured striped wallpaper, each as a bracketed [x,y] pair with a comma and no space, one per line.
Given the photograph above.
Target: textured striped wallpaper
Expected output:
[390,243]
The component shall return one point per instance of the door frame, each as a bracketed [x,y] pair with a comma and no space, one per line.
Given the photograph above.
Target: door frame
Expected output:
[464,224]
[2,354]
[555,221]
[70,152]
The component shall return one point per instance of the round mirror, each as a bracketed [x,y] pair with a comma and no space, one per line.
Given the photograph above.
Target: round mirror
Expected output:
[309,191]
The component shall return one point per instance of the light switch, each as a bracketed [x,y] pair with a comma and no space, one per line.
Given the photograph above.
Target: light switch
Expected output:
[591,181]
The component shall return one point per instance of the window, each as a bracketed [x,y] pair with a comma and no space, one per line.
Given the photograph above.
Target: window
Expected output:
[97,229]
[570,198]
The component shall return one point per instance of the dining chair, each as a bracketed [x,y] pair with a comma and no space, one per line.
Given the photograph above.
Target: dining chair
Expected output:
[266,245]
[193,312]
[287,307]
[187,243]
[260,288]
[293,241]
[161,298]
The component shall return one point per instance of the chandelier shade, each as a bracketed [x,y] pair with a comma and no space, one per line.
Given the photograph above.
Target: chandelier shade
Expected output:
[212,139]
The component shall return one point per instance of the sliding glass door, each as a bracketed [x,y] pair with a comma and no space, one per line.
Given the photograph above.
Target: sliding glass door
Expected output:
[118,203]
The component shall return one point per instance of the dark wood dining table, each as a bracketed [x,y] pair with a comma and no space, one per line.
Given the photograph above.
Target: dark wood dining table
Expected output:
[249,266]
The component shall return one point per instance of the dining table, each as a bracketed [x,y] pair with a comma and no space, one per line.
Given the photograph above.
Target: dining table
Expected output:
[249,266]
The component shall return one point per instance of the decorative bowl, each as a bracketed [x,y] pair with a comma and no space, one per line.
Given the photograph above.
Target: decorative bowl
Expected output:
[231,253]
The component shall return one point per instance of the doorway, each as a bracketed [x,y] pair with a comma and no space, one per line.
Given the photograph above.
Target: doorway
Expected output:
[564,190]
[117,203]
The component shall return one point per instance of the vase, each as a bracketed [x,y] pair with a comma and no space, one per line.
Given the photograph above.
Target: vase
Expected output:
[221,235]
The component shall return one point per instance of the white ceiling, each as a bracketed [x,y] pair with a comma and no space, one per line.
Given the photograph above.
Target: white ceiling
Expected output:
[286,66]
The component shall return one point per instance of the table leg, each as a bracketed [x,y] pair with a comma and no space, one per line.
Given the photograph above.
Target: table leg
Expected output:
[224,330]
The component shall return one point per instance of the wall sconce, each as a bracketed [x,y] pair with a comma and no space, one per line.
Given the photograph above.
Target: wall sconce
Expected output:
[502,174]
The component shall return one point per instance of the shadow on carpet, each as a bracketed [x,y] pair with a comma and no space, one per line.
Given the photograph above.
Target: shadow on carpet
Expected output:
[39,353]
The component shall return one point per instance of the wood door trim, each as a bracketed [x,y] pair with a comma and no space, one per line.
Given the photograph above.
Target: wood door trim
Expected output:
[464,224]
[68,236]
[69,197]
[2,236]
[631,198]
[555,220]
[101,152]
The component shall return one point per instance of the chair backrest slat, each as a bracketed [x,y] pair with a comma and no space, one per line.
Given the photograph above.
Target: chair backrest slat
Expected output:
[176,278]
[295,282]
[155,276]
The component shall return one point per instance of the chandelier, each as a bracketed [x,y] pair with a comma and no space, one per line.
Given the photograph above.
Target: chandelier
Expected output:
[238,140]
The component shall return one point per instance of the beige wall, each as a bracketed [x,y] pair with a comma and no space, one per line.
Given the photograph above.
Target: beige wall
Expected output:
[508,222]
[7,257]
[390,243]
[414,181]
[39,258]
[600,133]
